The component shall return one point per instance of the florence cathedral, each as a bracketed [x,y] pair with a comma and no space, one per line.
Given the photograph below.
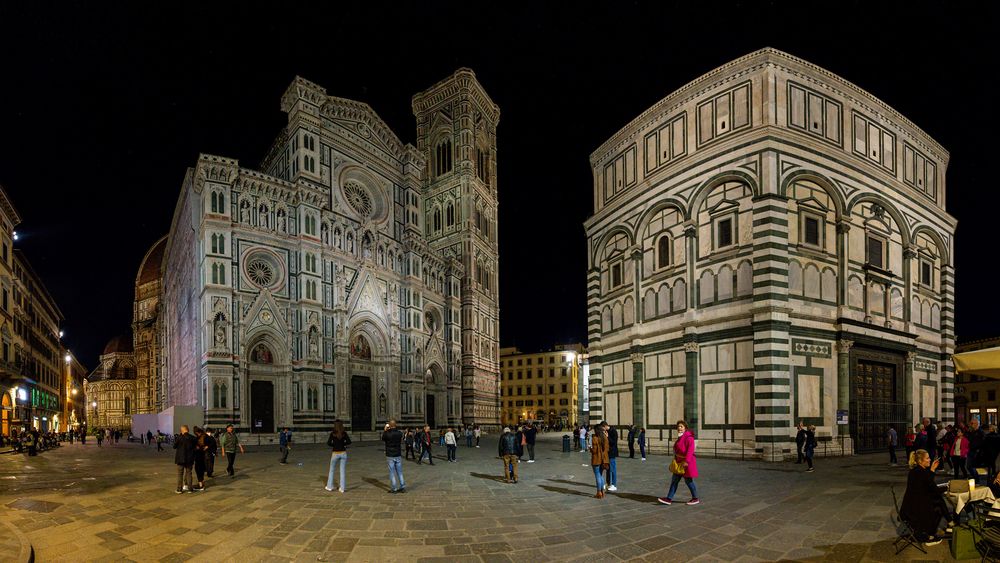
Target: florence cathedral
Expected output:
[349,276]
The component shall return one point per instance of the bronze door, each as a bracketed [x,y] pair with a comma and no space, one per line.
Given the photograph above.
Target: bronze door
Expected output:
[875,403]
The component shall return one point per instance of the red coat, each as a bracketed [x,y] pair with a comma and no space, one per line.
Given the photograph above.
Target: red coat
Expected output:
[963,447]
[684,451]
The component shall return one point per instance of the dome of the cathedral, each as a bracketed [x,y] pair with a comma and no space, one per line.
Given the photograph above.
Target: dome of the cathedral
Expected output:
[119,345]
[150,268]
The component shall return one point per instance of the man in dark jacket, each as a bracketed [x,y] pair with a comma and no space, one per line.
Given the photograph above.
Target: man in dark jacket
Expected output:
[529,440]
[800,441]
[991,449]
[393,439]
[425,445]
[976,437]
[631,441]
[211,448]
[612,480]
[184,458]
[507,450]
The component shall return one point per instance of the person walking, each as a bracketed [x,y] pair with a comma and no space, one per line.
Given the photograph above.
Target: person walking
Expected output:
[611,481]
[425,445]
[159,441]
[685,458]
[976,436]
[199,458]
[468,436]
[530,432]
[338,442]
[599,457]
[211,449]
[576,437]
[393,439]
[642,443]
[800,441]
[959,452]
[477,433]
[583,438]
[892,440]
[631,441]
[931,431]
[230,441]
[408,441]
[100,437]
[451,444]
[149,437]
[810,447]
[284,445]
[184,445]
[507,450]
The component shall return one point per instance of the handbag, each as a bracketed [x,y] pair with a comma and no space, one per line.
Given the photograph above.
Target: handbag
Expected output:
[676,468]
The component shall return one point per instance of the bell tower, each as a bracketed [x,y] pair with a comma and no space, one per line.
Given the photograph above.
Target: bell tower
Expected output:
[456,132]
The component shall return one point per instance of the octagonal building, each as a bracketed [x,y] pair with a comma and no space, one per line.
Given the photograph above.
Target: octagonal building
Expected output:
[770,245]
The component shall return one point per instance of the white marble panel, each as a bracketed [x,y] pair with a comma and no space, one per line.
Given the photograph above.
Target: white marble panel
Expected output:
[740,400]
[744,354]
[649,367]
[663,364]
[675,404]
[628,372]
[611,408]
[726,356]
[855,293]
[808,395]
[810,281]
[708,359]
[625,408]
[678,363]
[654,409]
[928,402]
[715,403]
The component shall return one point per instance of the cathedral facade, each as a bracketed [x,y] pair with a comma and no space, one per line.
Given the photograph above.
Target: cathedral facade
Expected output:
[770,245]
[350,276]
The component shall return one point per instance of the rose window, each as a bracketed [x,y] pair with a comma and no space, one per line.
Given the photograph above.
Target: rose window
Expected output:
[359,199]
[260,273]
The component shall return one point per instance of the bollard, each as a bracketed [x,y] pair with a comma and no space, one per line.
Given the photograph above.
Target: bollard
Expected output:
[566,443]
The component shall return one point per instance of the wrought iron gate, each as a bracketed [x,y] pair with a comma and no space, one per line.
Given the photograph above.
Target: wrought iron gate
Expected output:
[874,405]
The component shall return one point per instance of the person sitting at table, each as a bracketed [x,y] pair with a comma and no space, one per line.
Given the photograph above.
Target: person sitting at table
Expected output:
[923,505]
[959,450]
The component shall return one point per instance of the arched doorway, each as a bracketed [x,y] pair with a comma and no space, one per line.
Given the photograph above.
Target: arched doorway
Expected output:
[261,375]
[6,414]
[361,383]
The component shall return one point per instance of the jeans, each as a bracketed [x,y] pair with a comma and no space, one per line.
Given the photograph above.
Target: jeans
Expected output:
[612,476]
[341,458]
[583,443]
[599,475]
[631,448]
[231,456]
[892,454]
[284,453]
[409,452]
[395,472]
[426,450]
[452,448]
[642,448]
[687,480]
[468,441]
[531,451]
[183,476]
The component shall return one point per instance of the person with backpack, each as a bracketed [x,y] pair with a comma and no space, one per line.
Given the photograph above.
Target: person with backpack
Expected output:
[810,447]
[185,445]
[507,450]
[284,445]
[338,441]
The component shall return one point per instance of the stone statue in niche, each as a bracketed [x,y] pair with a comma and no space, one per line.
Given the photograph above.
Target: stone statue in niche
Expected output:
[282,221]
[220,331]
[244,211]
[262,217]
[313,343]
[381,404]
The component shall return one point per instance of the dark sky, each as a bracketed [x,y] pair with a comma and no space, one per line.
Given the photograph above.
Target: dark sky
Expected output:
[104,106]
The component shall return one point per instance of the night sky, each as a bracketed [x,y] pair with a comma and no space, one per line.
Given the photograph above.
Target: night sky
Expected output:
[103,107]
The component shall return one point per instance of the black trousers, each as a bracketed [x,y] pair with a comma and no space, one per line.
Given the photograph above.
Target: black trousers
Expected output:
[209,464]
[426,450]
[631,448]
[892,454]
[199,466]
[231,456]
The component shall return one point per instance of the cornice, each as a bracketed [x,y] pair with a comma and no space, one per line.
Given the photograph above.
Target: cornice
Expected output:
[461,81]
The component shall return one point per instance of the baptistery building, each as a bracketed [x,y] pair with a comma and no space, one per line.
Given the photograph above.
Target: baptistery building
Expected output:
[770,245]
[349,276]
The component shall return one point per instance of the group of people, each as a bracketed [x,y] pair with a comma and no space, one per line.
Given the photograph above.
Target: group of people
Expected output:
[635,435]
[963,447]
[197,452]
[112,435]
[805,444]
[30,441]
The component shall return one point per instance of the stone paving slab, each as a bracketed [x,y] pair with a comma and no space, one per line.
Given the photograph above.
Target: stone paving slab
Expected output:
[84,503]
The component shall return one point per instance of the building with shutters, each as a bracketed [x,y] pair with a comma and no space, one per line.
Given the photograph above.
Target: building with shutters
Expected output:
[770,244]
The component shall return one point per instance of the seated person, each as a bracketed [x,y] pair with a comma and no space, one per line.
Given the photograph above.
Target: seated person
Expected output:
[923,505]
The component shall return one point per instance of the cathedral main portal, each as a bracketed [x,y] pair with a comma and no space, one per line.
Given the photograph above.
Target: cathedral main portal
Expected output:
[262,407]
[361,403]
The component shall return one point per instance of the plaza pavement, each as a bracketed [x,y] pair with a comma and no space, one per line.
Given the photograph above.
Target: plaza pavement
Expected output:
[83,503]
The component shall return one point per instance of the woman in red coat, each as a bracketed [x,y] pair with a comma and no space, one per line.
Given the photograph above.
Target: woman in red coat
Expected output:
[684,456]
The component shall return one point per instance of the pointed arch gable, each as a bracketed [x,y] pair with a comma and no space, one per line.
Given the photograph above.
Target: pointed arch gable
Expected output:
[821,181]
[373,328]
[272,339]
[702,191]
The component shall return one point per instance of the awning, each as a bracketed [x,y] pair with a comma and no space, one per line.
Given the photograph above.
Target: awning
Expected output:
[985,363]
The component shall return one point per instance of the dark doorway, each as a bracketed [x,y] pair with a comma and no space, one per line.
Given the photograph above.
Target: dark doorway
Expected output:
[876,400]
[261,407]
[361,403]
[430,410]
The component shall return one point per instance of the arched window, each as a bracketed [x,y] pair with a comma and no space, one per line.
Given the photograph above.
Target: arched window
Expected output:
[128,405]
[437,219]
[222,274]
[450,215]
[223,394]
[215,273]
[442,157]
[215,395]
[663,252]
[222,203]
[215,241]
[215,202]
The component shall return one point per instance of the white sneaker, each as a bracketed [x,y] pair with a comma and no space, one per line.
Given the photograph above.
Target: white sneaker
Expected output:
[612,488]
[643,459]
[531,461]
[329,489]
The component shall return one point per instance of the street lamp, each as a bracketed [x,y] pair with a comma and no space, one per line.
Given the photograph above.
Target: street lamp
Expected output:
[68,358]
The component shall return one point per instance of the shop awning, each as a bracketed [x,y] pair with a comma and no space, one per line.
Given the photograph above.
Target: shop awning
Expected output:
[985,363]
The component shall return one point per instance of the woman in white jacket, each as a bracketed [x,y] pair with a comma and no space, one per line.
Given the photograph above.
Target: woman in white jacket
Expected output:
[449,441]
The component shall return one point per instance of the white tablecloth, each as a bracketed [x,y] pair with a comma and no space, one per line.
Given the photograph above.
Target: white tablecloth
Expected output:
[959,500]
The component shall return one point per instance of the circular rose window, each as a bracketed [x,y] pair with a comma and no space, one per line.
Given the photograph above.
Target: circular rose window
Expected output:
[262,270]
[359,199]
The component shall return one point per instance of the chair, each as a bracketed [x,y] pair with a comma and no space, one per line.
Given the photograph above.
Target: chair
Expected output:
[907,535]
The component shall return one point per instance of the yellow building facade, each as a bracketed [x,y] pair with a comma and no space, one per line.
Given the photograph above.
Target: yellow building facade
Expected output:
[540,386]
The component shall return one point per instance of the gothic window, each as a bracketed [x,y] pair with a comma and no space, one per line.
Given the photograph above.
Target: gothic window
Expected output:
[216,396]
[482,165]
[437,219]
[296,396]
[128,406]
[663,252]
[328,398]
[222,396]
[450,215]
[442,157]
[215,202]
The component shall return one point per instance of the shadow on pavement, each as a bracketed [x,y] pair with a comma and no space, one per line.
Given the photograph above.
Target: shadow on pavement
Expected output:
[496,478]
[375,483]
[563,491]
